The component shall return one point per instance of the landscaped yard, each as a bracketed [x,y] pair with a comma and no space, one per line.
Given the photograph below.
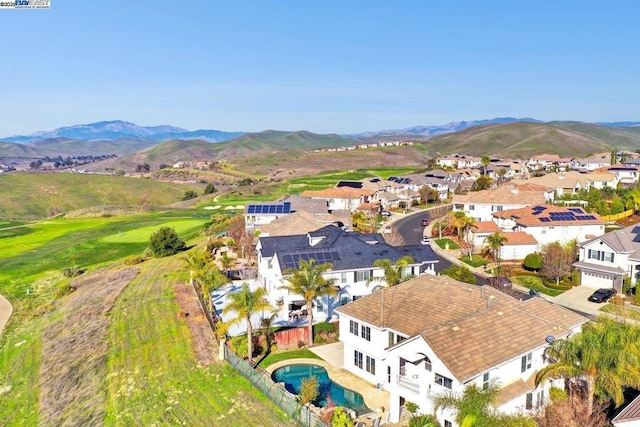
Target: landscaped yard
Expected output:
[446,241]
[535,283]
[296,354]
[476,261]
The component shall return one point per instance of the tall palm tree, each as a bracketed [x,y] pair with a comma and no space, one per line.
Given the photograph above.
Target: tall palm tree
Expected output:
[605,356]
[210,281]
[246,303]
[196,262]
[473,407]
[495,242]
[394,274]
[308,281]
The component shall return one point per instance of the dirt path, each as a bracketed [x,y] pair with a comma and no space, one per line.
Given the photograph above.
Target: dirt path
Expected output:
[5,312]
[205,347]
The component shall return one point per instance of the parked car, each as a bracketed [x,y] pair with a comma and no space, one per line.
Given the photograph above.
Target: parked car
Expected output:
[602,295]
[385,213]
[424,222]
[425,241]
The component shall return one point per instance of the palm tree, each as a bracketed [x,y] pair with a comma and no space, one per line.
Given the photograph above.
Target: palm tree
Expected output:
[210,281]
[196,262]
[603,359]
[495,242]
[246,303]
[393,273]
[308,280]
[473,407]
[463,224]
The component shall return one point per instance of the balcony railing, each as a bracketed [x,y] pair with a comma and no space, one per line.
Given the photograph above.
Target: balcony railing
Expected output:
[410,382]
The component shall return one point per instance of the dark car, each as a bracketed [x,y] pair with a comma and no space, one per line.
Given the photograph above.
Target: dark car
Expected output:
[602,295]
[424,222]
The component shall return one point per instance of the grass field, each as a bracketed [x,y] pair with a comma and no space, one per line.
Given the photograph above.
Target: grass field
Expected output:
[151,375]
[295,354]
[41,195]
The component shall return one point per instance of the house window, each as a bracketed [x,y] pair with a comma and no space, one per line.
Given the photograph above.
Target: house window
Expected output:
[344,299]
[363,275]
[448,423]
[427,364]
[270,263]
[529,401]
[343,278]
[608,256]
[540,401]
[365,332]
[526,362]
[444,381]
[371,365]
[496,208]
[472,207]
[319,306]
[357,359]
[485,381]
[353,327]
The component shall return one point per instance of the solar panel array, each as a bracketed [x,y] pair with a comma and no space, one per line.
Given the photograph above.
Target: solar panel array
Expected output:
[399,180]
[538,210]
[321,257]
[284,208]
[576,210]
[567,216]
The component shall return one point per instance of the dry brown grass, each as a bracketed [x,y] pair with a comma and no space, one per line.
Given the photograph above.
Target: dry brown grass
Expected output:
[205,348]
[74,349]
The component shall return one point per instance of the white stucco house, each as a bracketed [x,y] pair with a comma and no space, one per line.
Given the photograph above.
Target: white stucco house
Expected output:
[432,335]
[351,256]
[342,198]
[550,223]
[606,260]
[481,205]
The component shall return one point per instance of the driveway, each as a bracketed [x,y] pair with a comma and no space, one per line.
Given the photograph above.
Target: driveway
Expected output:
[577,300]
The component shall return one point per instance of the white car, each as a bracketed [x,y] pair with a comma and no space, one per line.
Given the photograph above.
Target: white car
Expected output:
[425,241]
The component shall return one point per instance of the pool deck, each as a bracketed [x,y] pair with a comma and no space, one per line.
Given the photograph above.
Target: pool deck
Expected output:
[373,397]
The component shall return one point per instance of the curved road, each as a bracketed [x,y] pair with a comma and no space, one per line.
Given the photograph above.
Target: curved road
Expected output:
[410,228]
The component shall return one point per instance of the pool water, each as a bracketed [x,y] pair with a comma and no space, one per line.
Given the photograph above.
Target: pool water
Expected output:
[292,376]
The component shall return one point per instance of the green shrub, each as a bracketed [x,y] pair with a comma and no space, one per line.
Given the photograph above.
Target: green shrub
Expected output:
[533,262]
[165,242]
[73,271]
[133,260]
[325,328]
[190,194]
[341,419]
[557,395]
[476,261]
[461,273]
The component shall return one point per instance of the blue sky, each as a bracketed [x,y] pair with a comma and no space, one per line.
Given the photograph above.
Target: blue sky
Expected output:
[330,66]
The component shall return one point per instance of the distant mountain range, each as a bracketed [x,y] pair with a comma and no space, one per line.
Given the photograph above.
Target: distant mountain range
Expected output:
[435,130]
[118,129]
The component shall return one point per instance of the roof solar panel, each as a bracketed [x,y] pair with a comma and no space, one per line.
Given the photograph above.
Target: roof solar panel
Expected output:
[545,219]
[251,209]
[576,210]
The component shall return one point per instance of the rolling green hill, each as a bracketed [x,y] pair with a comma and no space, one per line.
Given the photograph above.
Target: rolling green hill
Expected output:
[527,139]
[250,144]
[11,149]
[38,195]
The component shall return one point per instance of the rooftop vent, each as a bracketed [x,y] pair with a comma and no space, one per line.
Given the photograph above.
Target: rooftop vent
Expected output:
[455,329]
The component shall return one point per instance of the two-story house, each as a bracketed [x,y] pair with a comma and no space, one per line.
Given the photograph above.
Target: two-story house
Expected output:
[433,335]
[591,163]
[551,223]
[342,198]
[480,205]
[606,260]
[351,255]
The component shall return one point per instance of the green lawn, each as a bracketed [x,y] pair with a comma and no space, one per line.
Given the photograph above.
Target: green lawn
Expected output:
[476,261]
[136,234]
[296,354]
[535,283]
[443,243]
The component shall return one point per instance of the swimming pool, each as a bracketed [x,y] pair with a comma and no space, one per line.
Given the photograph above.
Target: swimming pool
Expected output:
[292,376]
